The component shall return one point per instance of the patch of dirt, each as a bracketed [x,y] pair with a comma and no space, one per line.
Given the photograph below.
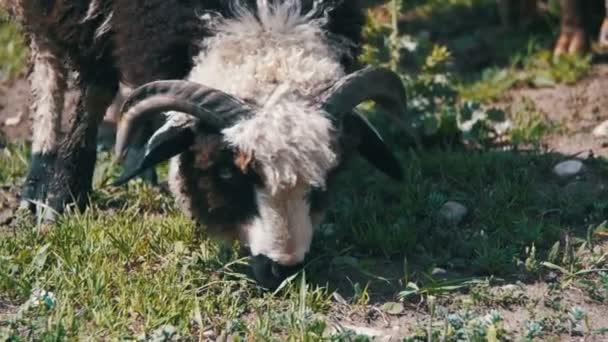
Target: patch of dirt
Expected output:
[14,107]
[7,311]
[15,120]
[538,304]
[577,109]
[518,304]
[8,205]
[341,274]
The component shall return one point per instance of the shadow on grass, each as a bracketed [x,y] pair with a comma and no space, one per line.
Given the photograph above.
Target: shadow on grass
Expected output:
[382,235]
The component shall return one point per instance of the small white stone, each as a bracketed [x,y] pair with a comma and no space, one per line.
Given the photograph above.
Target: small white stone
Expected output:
[393,308]
[568,168]
[338,297]
[366,331]
[437,271]
[14,120]
[453,212]
[210,334]
[601,131]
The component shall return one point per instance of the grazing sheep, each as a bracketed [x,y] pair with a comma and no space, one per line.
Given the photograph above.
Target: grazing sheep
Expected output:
[261,98]
[260,127]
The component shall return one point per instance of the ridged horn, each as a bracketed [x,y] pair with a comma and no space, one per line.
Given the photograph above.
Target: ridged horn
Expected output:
[212,107]
[380,85]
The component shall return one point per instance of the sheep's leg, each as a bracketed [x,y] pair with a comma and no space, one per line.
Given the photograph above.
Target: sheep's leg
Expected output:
[573,37]
[47,84]
[603,39]
[77,153]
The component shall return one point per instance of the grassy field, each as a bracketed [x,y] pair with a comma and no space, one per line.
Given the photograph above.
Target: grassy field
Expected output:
[528,261]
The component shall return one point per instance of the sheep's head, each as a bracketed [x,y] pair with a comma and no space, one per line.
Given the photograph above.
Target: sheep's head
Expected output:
[235,191]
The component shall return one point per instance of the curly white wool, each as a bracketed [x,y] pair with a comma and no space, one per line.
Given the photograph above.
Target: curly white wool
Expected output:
[280,60]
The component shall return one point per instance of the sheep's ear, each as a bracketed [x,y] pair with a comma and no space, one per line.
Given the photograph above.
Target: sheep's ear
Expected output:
[372,147]
[166,143]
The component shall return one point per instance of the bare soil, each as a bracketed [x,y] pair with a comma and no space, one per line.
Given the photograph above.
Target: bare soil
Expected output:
[575,110]
[14,107]
[15,120]
[537,302]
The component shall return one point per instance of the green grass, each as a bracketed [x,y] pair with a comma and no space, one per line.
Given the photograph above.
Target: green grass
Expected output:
[507,197]
[14,160]
[539,69]
[530,125]
[131,264]
[12,49]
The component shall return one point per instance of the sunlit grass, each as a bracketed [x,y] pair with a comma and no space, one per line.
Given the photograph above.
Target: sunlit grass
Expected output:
[12,49]
[539,69]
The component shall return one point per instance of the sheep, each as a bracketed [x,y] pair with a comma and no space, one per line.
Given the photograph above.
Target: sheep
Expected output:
[253,103]
[260,128]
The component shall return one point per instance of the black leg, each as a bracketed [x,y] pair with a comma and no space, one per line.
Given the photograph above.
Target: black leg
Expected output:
[67,178]
[72,180]
[41,168]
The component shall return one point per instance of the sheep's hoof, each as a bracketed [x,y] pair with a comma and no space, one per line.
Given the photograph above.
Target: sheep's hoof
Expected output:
[36,185]
[54,182]
[571,42]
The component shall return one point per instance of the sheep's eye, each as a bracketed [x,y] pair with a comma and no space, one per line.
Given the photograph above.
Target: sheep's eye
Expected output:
[225,173]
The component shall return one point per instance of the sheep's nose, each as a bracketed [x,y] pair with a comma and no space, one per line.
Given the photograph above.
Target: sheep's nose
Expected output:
[270,274]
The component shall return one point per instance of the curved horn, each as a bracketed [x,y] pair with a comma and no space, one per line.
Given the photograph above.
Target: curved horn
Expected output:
[371,83]
[215,108]
[381,85]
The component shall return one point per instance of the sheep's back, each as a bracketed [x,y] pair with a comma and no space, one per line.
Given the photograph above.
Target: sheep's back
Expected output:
[157,39]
